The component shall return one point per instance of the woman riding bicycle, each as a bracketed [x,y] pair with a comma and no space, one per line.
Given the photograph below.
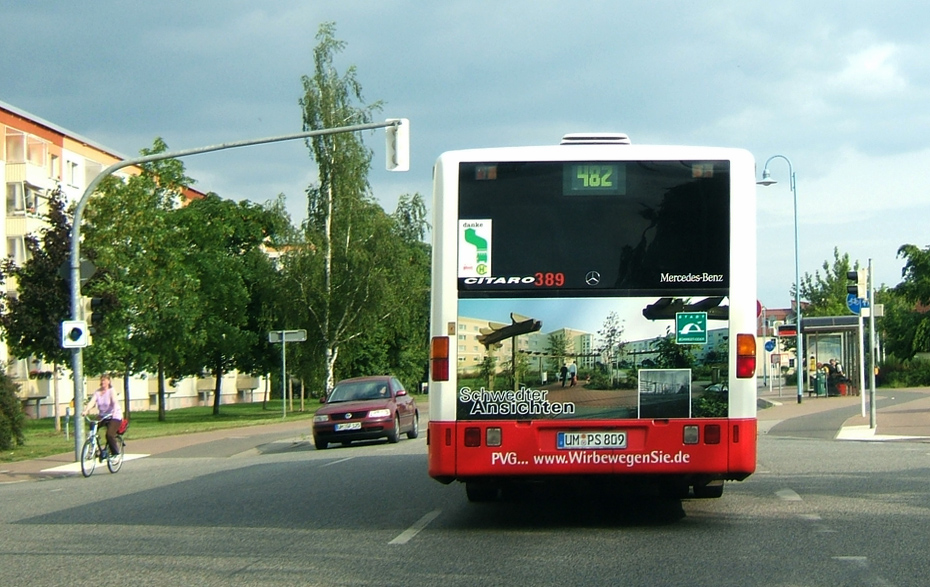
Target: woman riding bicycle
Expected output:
[104,399]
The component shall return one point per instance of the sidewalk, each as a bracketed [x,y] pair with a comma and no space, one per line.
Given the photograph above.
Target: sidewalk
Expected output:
[63,465]
[901,414]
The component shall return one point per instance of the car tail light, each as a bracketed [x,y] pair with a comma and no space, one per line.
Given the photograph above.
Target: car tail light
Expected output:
[712,434]
[439,358]
[472,436]
[745,355]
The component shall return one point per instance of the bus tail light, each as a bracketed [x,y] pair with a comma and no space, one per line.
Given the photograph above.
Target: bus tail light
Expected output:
[493,437]
[712,434]
[472,436]
[439,358]
[691,435]
[745,355]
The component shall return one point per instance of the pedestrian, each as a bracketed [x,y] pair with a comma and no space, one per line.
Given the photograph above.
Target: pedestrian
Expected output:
[108,410]
[563,374]
[573,373]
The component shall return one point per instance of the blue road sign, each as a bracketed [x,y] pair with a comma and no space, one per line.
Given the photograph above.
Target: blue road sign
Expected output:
[855,304]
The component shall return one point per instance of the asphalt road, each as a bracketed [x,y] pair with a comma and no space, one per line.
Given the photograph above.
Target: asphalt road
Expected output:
[271,510]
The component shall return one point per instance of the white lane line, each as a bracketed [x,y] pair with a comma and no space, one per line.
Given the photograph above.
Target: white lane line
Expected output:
[408,534]
[76,467]
[336,462]
[788,495]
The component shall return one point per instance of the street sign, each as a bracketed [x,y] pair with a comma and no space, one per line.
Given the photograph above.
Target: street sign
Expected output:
[691,327]
[855,304]
[74,334]
[276,336]
[86,270]
[770,345]
[787,330]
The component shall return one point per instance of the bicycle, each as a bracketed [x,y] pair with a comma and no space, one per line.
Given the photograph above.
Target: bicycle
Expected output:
[95,450]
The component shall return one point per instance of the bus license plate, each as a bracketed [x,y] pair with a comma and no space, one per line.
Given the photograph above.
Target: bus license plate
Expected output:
[591,440]
[348,426]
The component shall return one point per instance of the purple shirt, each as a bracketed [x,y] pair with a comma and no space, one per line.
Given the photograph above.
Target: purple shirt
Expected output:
[107,404]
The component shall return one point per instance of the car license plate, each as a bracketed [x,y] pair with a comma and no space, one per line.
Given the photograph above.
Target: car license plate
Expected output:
[348,426]
[591,440]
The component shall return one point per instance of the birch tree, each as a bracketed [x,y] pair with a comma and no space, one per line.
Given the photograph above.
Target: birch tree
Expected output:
[338,231]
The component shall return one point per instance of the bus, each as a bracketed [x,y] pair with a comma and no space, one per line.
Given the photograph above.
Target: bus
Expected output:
[593,316]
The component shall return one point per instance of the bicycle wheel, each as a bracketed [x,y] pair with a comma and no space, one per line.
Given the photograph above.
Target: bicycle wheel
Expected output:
[114,462]
[88,457]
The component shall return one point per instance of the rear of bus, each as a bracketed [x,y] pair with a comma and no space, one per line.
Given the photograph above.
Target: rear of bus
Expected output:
[593,316]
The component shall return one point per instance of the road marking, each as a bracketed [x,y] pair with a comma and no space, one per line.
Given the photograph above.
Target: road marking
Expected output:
[788,495]
[868,578]
[408,534]
[76,467]
[336,462]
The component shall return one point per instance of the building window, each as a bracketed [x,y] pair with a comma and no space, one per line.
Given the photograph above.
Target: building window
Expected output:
[21,198]
[15,146]
[16,250]
[71,173]
[36,151]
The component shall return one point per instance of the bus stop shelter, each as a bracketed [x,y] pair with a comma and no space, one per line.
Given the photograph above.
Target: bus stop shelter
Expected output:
[832,337]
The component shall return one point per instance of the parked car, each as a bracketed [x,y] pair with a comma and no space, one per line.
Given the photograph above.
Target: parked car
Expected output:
[366,408]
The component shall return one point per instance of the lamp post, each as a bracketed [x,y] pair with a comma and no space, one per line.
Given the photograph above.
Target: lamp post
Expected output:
[801,362]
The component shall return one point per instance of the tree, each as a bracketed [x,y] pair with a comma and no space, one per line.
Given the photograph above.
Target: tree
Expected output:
[908,317]
[826,294]
[900,323]
[557,350]
[670,354]
[339,207]
[31,318]
[915,285]
[12,421]
[141,261]
[397,341]
[612,343]
[223,244]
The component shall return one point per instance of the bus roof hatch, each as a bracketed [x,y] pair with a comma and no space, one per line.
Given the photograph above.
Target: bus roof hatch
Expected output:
[596,138]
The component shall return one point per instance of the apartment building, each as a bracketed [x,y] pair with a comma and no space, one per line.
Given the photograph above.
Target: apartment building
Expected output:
[36,157]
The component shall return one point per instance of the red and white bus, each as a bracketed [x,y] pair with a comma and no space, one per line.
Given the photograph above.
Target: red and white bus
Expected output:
[593,315]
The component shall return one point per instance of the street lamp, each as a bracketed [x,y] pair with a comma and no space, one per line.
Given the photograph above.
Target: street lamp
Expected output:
[801,363]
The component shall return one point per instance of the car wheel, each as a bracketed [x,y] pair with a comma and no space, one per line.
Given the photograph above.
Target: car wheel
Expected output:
[415,428]
[320,444]
[394,435]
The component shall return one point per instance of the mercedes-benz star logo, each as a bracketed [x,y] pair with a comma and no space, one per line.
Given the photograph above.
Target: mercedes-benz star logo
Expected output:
[592,278]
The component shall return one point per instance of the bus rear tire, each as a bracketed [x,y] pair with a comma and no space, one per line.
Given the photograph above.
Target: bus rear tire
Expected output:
[481,491]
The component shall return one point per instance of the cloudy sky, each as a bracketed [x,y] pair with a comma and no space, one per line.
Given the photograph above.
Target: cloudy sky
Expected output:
[839,88]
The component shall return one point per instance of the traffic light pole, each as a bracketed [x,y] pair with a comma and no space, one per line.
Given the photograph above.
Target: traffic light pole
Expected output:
[873,412]
[77,354]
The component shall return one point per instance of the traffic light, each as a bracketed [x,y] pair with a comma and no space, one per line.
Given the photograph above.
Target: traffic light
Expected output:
[858,283]
[74,334]
[96,309]
[397,145]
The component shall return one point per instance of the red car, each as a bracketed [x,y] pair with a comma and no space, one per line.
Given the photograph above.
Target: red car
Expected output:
[366,408]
